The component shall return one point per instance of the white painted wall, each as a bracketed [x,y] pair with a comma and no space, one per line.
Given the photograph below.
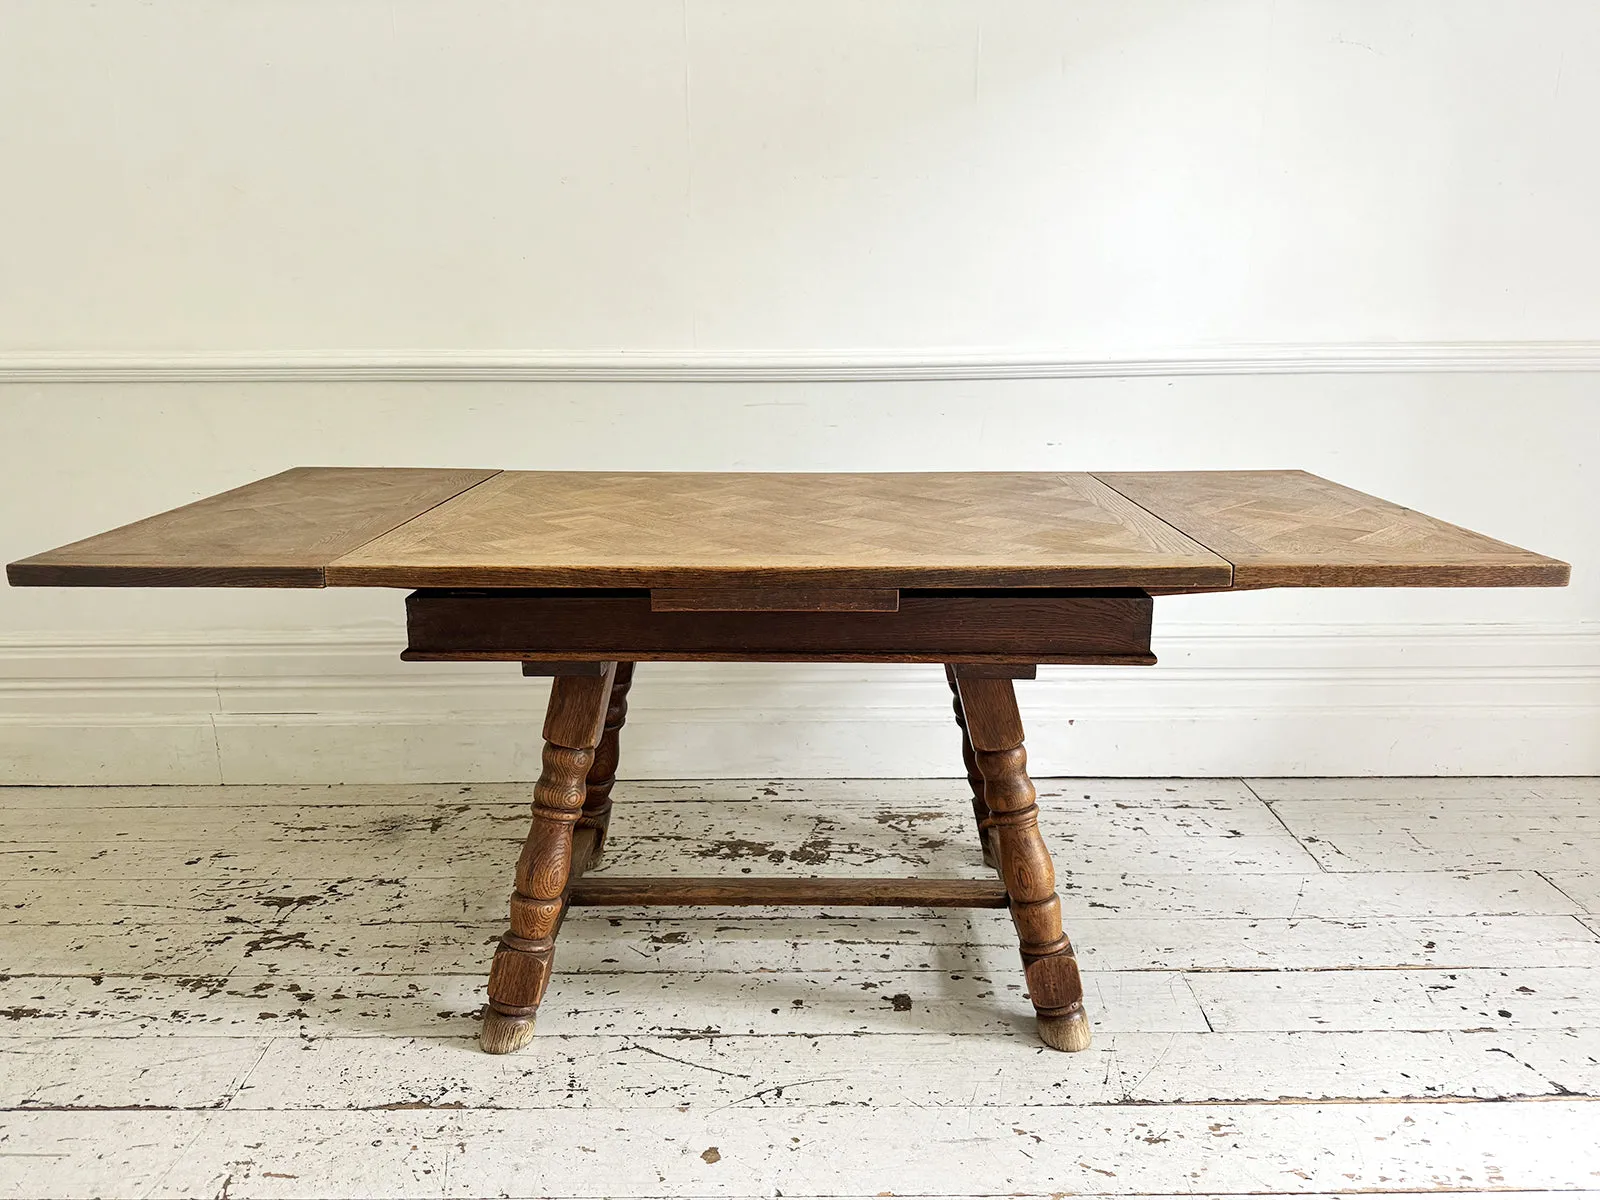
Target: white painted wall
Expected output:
[234,237]
[619,174]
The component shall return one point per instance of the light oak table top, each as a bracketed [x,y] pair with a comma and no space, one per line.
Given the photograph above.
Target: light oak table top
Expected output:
[1164,531]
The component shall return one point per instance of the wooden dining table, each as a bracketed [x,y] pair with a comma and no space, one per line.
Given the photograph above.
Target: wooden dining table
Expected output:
[580,575]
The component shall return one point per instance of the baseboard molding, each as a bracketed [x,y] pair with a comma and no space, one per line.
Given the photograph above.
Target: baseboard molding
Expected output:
[833,365]
[333,705]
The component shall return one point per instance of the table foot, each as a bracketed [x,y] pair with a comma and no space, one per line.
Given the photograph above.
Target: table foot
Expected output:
[1069,1033]
[501,1034]
[573,726]
[603,771]
[1054,985]
[980,810]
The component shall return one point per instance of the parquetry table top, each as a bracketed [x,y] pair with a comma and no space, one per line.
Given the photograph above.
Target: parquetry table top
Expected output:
[412,527]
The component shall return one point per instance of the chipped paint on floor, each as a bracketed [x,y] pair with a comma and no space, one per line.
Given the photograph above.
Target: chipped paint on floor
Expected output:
[1298,988]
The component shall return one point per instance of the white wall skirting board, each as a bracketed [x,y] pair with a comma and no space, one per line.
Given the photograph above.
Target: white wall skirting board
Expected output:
[330,706]
[746,366]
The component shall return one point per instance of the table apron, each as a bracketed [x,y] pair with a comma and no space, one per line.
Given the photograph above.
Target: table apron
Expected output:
[581,625]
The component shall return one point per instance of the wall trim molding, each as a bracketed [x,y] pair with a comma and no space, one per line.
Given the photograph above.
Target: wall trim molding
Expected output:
[322,706]
[751,366]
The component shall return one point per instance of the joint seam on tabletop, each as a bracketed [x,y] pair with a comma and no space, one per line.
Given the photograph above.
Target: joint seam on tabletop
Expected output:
[407,521]
[1233,567]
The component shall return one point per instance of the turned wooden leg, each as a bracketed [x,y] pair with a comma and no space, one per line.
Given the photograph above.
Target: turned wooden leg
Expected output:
[980,810]
[603,771]
[573,725]
[995,729]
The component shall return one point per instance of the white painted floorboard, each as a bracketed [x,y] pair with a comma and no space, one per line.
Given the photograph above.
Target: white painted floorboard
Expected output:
[1298,987]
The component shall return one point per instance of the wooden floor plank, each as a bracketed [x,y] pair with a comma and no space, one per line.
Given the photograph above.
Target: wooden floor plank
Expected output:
[689,812]
[1209,794]
[679,1003]
[1429,818]
[481,896]
[1582,887]
[822,829]
[163,797]
[1131,1150]
[1471,789]
[929,1070]
[320,943]
[87,1074]
[914,1070]
[1205,794]
[1452,851]
[711,824]
[422,855]
[1513,998]
[806,1002]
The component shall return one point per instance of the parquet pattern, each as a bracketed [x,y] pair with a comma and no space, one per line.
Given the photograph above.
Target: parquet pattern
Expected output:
[1164,531]
[606,529]
[1294,529]
[276,532]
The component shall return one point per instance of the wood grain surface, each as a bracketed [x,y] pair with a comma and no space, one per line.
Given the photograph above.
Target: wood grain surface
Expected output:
[277,532]
[562,625]
[1295,529]
[573,724]
[703,891]
[608,529]
[790,599]
[1161,531]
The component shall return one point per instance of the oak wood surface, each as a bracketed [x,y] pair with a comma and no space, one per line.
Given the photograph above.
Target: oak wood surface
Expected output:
[573,724]
[570,625]
[774,599]
[1295,529]
[664,529]
[576,714]
[281,531]
[1161,531]
[980,809]
[993,669]
[549,668]
[1048,962]
[602,777]
[909,892]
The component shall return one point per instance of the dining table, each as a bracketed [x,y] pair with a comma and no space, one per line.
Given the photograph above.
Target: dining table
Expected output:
[580,575]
